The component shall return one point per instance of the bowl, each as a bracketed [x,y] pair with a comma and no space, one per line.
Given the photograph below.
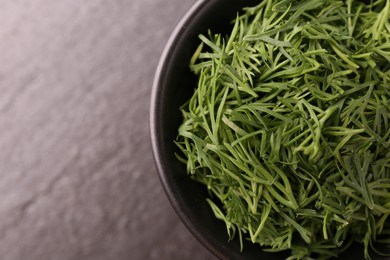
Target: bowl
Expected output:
[174,83]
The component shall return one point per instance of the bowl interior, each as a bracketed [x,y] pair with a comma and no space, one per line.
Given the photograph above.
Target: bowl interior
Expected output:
[173,85]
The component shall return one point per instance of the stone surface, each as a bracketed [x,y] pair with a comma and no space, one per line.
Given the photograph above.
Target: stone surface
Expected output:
[77,175]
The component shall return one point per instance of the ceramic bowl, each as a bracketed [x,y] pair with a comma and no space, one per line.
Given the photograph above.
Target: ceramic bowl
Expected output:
[173,85]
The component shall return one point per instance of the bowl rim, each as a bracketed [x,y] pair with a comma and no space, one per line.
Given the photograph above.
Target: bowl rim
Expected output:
[155,103]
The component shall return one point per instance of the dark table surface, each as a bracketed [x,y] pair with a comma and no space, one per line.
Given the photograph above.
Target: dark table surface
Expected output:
[77,174]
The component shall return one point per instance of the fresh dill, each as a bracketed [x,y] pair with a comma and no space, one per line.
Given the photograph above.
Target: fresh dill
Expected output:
[289,125]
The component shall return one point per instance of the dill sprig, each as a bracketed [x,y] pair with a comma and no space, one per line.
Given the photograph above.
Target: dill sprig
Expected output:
[289,125]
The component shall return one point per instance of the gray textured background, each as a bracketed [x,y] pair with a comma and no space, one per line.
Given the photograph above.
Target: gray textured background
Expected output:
[77,175]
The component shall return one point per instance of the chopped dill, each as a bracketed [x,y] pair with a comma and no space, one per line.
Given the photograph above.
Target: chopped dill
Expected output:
[289,125]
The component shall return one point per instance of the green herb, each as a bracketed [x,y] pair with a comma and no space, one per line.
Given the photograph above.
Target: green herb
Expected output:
[289,125]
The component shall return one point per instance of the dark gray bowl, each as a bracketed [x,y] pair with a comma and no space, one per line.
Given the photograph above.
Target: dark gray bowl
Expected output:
[173,85]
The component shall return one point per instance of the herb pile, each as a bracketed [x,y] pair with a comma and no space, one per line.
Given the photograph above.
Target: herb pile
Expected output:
[289,125]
